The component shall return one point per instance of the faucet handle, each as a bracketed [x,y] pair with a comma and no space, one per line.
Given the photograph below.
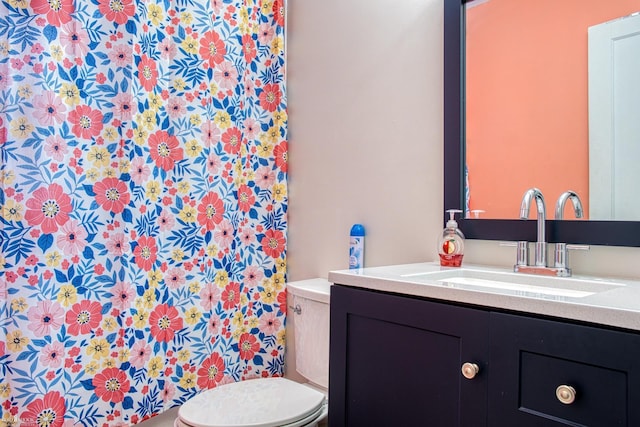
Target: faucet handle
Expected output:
[561,253]
[522,251]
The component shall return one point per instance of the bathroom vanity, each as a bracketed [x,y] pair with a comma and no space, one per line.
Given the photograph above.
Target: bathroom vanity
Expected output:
[417,345]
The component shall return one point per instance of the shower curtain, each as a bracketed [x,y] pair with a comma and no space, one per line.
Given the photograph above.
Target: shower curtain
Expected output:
[143,189]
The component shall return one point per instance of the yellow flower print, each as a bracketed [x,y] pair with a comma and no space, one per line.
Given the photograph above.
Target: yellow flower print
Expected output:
[253,322]
[92,174]
[192,316]
[124,355]
[153,190]
[179,84]
[5,390]
[155,101]
[269,294]
[19,4]
[184,187]
[194,287]
[98,348]
[154,12]
[186,18]
[99,156]
[140,136]
[212,250]
[53,260]
[110,173]
[109,324]
[56,52]
[221,279]
[124,165]
[110,133]
[154,277]
[20,127]
[70,93]
[25,91]
[155,366]
[280,117]
[184,355]
[244,300]
[147,119]
[147,300]
[19,304]
[281,337]
[266,6]
[92,367]
[4,48]
[16,342]
[7,177]
[192,148]
[190,45]
[67,295]
[273,134]
[277,45]
[222,119]
[140,319]
[177,255]
[237,320]
[281,265]
[238,332]
[188,380]
[188,214]
[265,150]
[195,119]
[12,211]
[213,88]
[109,363]
[278,281]
[279,192]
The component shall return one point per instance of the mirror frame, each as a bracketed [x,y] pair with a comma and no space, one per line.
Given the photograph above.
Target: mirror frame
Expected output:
[588,232]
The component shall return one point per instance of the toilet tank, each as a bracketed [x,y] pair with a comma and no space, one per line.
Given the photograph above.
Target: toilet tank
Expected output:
[310,301]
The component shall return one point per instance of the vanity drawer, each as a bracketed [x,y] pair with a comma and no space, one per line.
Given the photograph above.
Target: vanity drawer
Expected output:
[531,358]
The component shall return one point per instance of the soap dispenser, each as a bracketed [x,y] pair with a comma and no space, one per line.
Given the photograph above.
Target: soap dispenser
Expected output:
[451,243]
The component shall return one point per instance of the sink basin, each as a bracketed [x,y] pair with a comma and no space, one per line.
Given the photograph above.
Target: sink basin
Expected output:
[517,283]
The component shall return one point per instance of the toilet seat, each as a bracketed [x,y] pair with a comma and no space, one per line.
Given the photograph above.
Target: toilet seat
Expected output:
[264,402]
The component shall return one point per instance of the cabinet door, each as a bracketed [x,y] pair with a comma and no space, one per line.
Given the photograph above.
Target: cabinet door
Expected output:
[531,358]
[396,361]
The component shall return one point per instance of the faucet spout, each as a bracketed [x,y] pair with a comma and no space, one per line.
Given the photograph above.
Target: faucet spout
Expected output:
[575,200]
[541,244]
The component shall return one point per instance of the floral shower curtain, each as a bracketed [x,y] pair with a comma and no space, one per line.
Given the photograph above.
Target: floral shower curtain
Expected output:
[143,191]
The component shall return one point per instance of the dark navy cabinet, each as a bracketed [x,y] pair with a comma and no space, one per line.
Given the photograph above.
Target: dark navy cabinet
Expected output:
[403,361]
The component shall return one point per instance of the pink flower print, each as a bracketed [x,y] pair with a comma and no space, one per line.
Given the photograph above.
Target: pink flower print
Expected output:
[52,355]
[55,147]
[174,278]
[265,177]
[140,354]
[210,133]
[176,107]
[209,296]
[117,244]
[280,152]
[118,11]
[252,276]
[45,318]
[83,317]
[224,234]
[146,252]
[165,322]
[5,76]
[48,411]
[111,385]
[3,289]
[74,238]
[168,49]
[251,128]
[165,150]
[213,164]
[166,221]
[269,324]
[112,194]
[232,139]
[265,33]
[49,207]
[140,172]
[48,108]
[121,54]
[75,39]
[273,243]
[248,346]
[58,11]
[168,391]
[270,97]
[87,122]
[217,6]
[231,296]
[226,75]
[247,236]
[147,73]
[212,48]
[210,211]
[123,294]
[213,325]
[246,198]
[211,371]
[123,106]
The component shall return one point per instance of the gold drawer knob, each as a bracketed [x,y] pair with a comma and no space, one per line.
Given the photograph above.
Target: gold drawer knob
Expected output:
[566,394]
[470,370]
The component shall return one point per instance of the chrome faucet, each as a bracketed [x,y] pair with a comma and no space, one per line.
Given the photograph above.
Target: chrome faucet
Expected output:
[541,244]
[561,250]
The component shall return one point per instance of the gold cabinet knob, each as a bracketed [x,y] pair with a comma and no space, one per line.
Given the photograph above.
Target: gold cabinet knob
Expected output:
[566,394]
[470,370]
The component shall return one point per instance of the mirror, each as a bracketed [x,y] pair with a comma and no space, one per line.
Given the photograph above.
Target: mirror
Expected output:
[595,232]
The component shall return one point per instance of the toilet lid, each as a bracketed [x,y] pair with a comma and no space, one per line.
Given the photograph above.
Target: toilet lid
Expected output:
[264,402]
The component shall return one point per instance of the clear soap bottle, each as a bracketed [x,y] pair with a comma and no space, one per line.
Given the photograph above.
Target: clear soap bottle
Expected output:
[451,243]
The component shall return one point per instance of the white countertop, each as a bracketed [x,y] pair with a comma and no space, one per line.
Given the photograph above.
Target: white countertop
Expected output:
[618,307]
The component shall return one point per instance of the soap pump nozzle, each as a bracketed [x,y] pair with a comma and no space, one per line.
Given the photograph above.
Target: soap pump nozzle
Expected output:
[452,223]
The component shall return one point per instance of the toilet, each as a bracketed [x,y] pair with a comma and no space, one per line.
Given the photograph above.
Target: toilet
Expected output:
[277,402]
